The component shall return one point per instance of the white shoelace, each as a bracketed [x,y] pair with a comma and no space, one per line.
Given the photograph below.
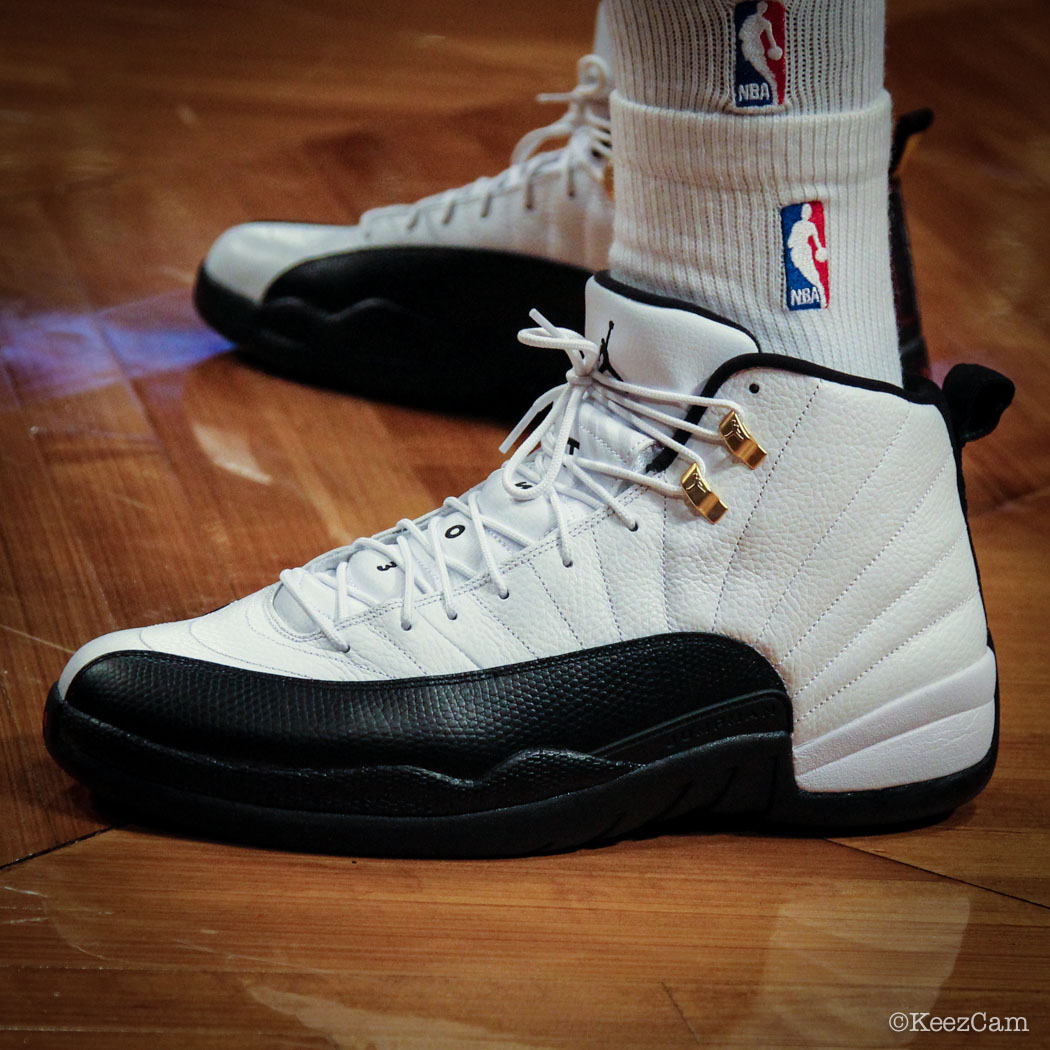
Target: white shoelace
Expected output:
[588,150]
[542,468]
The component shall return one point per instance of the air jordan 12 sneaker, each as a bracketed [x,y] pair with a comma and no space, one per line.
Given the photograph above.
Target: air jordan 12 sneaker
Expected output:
[420,303]
[709,579]
[372,308]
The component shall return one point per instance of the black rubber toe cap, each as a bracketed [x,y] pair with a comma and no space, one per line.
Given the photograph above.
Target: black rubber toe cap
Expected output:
[458,724]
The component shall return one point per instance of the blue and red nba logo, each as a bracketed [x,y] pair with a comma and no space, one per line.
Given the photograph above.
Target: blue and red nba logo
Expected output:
[805,256]
[761,67]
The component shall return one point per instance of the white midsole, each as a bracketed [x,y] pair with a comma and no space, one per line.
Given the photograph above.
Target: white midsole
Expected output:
[933,731]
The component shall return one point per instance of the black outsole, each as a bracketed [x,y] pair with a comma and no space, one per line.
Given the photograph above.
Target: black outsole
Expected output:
[228,312]
[745,776]
[405,341]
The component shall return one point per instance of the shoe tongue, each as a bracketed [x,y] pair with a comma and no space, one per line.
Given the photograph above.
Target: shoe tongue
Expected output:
[659,342]
[603,40]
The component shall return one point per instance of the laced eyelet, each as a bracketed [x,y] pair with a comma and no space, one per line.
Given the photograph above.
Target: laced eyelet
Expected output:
[453,616]
[543,460]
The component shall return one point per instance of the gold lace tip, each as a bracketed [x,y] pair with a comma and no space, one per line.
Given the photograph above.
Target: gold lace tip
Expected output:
[700,497]
[738,440]
[609,180]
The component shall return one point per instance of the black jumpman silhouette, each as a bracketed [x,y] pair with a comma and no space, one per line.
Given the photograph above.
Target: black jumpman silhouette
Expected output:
[604,364]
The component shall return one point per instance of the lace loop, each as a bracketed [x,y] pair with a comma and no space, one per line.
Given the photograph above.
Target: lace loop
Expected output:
[585,124]
[588,104]
[545,466]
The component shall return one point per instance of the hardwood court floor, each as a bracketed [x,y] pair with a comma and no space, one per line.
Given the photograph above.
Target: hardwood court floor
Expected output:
[146,473]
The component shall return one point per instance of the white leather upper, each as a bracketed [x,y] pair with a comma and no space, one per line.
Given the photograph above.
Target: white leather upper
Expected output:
[571,228]
[552,205]
[246,259]
[843,558]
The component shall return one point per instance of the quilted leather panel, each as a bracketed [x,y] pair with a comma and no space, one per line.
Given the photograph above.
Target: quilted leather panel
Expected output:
[853,575]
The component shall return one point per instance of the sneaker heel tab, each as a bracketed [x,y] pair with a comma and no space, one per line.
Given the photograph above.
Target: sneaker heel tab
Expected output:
[906,132]
[977,397]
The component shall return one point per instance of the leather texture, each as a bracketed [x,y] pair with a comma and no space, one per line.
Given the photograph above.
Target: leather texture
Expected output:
[549,223]
[389,791]
[457,725]
[844,560]
[661,342]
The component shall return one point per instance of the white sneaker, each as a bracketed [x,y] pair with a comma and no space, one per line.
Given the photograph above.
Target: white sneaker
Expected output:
[378,308]
[768,607]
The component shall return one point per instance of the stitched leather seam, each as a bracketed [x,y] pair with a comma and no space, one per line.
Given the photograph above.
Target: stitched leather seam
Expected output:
[758,500]
[565,619]
[388,637]
[444,637]
[820,541]
[905,522]
[491,614]
[483,579]
[884,611]
[974,594]
[293,642]
[605,444]
[255,663]
[281,628]
[608,589]
[368,668]
[663,566]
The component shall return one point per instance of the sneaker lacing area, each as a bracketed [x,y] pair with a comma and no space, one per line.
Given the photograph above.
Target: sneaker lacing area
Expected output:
[543,468]
[585,124]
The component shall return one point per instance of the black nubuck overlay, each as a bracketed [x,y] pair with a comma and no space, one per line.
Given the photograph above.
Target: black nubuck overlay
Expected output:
[535,756]
[426,326]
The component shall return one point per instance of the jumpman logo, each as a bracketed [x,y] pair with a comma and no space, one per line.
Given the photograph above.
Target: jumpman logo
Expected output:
[604,364]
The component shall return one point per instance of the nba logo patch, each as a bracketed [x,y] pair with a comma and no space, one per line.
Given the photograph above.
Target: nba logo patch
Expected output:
[805,256]
[761,73]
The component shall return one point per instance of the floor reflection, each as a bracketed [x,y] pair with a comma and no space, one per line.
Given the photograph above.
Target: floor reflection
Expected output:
[755,946]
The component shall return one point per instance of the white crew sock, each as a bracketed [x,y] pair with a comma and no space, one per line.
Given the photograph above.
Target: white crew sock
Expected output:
[760,194]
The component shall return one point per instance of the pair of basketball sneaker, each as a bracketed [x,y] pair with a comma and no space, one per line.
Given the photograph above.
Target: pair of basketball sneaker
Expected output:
[711,578]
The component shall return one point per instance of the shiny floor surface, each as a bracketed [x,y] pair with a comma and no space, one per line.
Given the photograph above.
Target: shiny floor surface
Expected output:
[147,473]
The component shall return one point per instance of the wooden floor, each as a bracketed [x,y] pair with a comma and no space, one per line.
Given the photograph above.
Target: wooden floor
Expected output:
[148,474]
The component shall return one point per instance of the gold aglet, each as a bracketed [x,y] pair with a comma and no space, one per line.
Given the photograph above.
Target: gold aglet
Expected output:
[739,441]
[703,500]
[609,180]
